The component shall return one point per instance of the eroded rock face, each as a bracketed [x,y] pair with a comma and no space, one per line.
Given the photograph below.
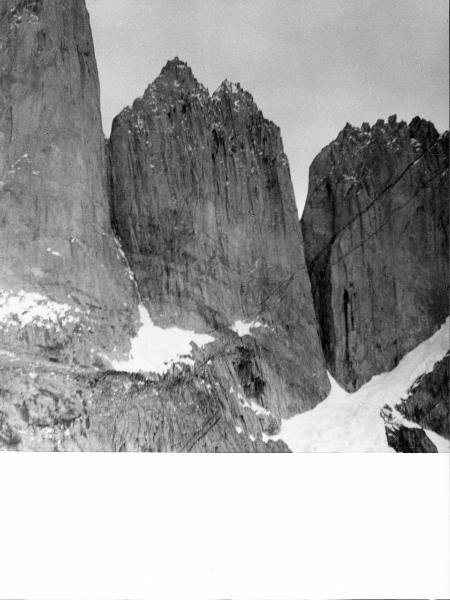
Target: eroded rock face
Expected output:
[203,201]
[56,241]
[375,228]
[428,401]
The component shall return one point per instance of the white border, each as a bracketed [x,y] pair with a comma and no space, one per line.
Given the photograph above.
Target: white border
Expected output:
[98,526]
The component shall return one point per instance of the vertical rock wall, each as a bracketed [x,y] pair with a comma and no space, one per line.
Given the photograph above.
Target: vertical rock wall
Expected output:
[375,227]
[203,201]
[55,234]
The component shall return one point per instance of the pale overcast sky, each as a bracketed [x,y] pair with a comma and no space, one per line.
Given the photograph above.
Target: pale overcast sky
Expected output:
[311,65]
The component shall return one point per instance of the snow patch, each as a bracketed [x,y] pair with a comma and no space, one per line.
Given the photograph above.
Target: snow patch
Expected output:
[243,328]
[155,349]
[351,422]
[255,407]
[442,444]
[30,308]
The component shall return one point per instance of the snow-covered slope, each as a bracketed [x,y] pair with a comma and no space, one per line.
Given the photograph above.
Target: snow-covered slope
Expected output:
[155,349]
[346,422]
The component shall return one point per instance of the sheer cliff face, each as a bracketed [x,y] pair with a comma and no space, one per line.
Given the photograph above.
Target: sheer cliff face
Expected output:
[203,201]
[375,227]
[55,232]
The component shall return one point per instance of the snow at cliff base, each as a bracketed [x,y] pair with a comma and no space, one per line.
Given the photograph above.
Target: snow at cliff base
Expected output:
[351,422]
[155,349]
[30,308]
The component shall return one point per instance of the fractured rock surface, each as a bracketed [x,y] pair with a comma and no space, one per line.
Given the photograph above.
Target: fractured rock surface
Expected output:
[375,228]
[50,407]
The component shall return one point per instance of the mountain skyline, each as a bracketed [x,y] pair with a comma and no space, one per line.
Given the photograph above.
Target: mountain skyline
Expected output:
[310,67]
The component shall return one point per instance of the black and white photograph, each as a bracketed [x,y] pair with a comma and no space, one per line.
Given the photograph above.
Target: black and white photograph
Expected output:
[258,268]
[224,300]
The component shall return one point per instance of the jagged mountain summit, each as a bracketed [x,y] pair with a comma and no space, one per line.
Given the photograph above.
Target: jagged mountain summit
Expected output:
[376,231]
[203,201]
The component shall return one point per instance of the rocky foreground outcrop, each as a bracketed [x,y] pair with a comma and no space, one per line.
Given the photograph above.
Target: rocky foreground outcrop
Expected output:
[65,290]
[376,231]
[47,406]
[404,436]
[428,401]
[203,201]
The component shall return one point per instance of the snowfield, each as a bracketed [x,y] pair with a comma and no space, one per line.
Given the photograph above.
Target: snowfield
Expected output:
[351,422]
[155,349]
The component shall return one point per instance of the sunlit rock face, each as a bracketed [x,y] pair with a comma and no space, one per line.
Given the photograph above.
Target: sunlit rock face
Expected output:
[375,228]
[57,248]
[203,201]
